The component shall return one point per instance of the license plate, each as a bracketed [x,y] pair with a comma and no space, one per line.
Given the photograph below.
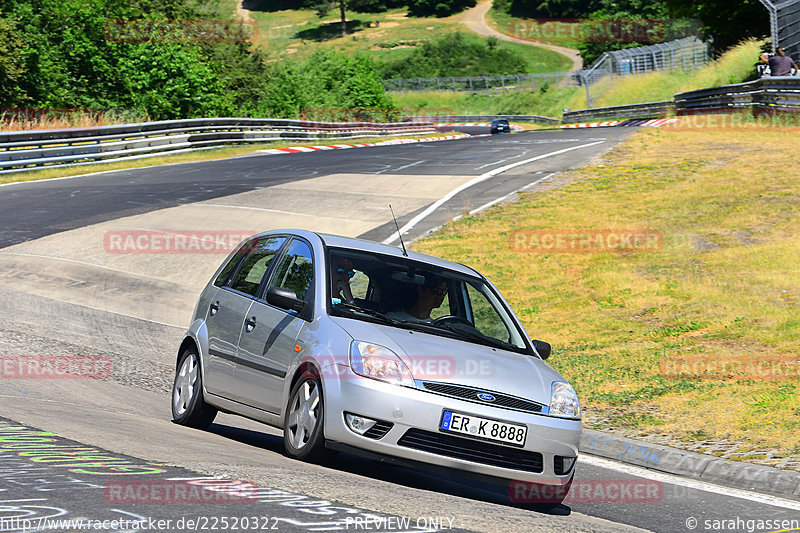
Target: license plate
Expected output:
[484,428]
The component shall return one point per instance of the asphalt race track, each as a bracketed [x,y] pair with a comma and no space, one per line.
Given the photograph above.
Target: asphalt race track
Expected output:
[80,448]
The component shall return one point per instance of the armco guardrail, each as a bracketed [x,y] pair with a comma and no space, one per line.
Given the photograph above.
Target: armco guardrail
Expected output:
[780,93]
[482,118]
[31,150]
[646,110]
[769,94]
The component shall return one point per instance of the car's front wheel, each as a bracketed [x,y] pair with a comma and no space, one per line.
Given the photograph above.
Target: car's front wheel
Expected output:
[303,435]
[188,406]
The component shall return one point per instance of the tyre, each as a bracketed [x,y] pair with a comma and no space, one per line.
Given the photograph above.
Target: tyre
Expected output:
[303,436]
[188,406]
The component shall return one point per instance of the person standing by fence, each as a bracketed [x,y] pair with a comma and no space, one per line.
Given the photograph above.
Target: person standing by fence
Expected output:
[780,64]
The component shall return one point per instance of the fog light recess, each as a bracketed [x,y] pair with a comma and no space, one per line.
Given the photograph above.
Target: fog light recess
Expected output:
[359,424]
[563,464]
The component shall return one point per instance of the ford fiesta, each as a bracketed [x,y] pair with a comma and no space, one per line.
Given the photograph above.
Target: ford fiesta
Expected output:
[355,346]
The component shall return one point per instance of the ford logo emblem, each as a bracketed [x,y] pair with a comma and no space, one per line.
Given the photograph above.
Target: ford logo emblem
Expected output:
[486,397]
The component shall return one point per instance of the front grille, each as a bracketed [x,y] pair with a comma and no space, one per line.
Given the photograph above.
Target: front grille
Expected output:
[379,430]
[472,450]
[471,395]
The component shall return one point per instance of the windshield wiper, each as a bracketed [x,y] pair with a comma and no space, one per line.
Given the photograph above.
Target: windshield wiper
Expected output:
[482,339]
[367,311]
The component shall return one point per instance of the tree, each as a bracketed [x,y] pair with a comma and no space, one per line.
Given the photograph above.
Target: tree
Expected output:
[12,67]
[552,8]
[726,22]
[324,6]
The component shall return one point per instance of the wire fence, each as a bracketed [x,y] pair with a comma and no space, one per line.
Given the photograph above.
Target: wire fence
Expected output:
[784,21]
[683,54]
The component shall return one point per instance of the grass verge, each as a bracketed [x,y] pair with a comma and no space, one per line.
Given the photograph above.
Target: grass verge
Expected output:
[547,102]
[724,286]
[735,66]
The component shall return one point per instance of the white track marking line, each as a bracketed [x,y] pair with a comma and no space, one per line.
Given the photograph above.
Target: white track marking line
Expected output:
[509,195]
[688,482]
[398,169]
[433,207]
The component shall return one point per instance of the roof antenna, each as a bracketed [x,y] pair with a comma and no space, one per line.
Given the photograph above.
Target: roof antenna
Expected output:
[405,253]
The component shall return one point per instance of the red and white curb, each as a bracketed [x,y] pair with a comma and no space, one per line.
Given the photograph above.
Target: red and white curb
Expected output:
[317,148]
[514,127]
[644,123]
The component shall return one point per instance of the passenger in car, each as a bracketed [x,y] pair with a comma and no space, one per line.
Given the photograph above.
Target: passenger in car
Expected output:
[341,272]
[429,297]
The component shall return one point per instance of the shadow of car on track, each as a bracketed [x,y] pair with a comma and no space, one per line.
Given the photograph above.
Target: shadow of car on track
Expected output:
[422,477]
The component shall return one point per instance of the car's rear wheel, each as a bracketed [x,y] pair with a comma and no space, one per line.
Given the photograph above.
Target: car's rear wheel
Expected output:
[303,435]
[188,406]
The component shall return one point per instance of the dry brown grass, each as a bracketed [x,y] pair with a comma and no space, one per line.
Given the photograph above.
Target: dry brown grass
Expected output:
[724,285]
[24,119]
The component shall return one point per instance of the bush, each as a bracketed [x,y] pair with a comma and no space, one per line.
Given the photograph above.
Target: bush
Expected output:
[456,55]
[324,83]
[437,8]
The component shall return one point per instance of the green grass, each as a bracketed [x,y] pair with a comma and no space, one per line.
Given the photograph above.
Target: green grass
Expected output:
[385,37]
[548,103]
[521,29]
[735,66]
[615,318]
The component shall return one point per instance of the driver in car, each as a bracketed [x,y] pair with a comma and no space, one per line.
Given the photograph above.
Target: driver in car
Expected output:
[429,297]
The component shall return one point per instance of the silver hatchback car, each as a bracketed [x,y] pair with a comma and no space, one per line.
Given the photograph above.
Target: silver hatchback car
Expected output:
[355,346]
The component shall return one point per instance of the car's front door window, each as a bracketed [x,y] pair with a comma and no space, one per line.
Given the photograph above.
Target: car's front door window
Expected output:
[295,270]
[248,278]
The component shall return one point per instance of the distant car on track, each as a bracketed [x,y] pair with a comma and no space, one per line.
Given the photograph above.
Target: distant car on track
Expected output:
[354,346]
[500,125]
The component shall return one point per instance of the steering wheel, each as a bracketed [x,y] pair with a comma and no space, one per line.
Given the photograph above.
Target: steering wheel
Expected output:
[452,319]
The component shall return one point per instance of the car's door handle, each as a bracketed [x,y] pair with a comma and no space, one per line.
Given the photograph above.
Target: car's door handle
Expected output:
[250,324]
[214,307]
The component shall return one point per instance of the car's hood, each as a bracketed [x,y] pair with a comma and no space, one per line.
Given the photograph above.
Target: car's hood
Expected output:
[444,359]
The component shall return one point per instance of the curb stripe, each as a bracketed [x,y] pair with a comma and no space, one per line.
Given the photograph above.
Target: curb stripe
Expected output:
[303,149]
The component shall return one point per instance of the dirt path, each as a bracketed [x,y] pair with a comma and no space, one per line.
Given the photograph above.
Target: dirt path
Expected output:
[243,13]
[475,20]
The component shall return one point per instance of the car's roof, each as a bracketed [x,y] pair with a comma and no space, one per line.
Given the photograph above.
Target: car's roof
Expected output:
[339,241]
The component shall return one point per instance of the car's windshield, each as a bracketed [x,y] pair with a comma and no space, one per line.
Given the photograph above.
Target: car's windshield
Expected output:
[410,294]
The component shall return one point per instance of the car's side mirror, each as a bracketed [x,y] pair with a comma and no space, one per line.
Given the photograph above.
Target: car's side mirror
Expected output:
[542,348]
[285,299]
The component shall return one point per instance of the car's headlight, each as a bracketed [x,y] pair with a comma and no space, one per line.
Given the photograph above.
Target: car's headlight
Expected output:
[564,401]
[378,362]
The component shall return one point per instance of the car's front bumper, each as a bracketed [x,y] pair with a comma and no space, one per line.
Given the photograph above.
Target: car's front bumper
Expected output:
[414,409]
